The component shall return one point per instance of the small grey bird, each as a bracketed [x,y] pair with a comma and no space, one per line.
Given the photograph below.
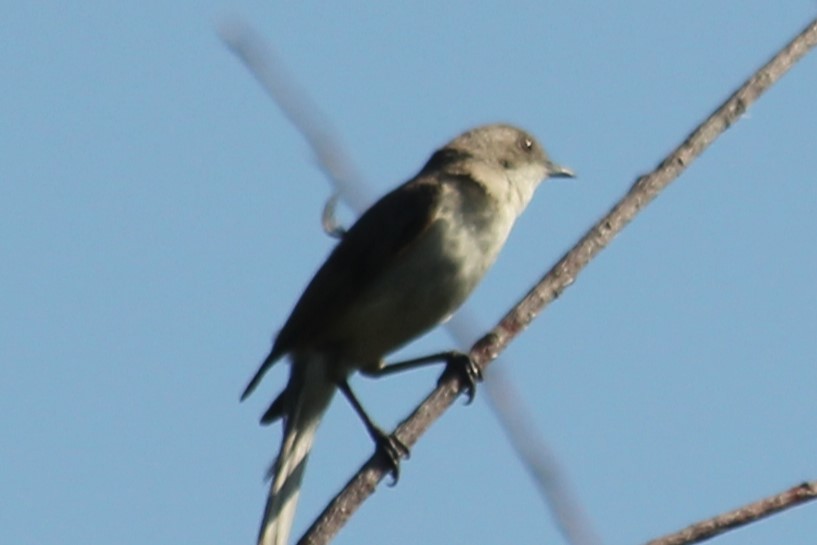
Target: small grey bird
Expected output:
[405,266]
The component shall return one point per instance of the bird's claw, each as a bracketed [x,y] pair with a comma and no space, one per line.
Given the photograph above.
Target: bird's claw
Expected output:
[466,370]
[392,449]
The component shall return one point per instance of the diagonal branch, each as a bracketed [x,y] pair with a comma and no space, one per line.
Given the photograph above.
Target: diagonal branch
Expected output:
[707,529]
[563,274]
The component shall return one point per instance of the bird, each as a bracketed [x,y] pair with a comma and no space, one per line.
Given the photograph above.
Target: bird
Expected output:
[405,266]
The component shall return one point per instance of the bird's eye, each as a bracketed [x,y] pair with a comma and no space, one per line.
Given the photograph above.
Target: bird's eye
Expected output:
[527,144]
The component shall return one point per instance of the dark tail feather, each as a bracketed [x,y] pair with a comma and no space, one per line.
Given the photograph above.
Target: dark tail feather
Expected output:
[278,408]
[271,359]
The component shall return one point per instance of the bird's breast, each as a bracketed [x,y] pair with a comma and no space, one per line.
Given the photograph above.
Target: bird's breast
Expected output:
[425,284]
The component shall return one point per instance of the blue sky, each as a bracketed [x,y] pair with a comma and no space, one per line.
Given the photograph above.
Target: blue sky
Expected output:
[159,217]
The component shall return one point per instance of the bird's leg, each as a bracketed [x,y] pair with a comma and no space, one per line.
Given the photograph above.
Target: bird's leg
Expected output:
[392,448]
[456,363]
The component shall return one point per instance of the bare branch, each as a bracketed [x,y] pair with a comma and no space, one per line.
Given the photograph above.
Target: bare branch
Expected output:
[563,274]
[707,529]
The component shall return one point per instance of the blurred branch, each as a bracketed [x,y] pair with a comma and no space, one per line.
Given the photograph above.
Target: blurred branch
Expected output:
[538,459]
[296,105]
[742,516]
[530,446]
[562,275]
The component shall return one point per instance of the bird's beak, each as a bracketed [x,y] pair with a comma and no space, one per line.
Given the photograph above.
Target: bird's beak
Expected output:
[558,171]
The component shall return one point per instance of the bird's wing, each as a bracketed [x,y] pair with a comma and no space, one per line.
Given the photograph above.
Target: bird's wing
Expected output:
[371,245]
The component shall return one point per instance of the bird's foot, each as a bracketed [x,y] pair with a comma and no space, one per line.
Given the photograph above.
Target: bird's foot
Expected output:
[467,372]
[392,449]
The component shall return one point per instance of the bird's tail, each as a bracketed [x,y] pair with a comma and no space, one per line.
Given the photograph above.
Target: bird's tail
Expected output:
[301,406]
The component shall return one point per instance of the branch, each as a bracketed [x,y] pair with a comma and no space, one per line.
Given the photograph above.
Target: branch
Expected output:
[562,275]
[742,516]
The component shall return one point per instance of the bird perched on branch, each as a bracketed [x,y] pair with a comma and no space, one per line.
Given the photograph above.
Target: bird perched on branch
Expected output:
[405,266]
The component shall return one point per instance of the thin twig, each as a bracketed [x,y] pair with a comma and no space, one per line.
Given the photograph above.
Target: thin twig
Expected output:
[563,274]
[707,529]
